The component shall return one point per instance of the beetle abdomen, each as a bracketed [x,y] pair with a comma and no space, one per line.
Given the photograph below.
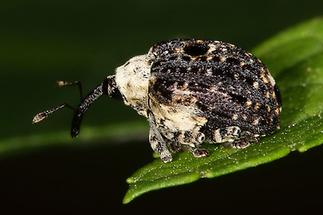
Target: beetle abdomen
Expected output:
[227,85]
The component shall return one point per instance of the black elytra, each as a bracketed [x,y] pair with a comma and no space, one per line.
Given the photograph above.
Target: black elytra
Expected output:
[226,82]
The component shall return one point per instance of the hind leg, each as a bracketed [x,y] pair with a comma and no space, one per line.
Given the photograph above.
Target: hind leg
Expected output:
[242,141]
[246,140]
[228,134]
[238,144]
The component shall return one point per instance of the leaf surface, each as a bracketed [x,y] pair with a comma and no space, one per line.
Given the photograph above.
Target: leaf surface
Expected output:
[295,59]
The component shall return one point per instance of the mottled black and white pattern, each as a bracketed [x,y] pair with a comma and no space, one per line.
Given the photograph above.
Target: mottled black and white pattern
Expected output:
[192,91]
[222,83]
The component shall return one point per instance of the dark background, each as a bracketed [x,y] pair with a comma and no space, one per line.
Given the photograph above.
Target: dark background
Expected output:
[43,41]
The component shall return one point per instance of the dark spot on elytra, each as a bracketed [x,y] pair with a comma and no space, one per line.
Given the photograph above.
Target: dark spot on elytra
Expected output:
[217,71]
[196,49]
[216,59]
[163,88]
[249,80]
[238,99]
[202,58]
[251,69]
[157,63]
[174,57]
[186,58]
[224,73]
[180,84]
[233,61]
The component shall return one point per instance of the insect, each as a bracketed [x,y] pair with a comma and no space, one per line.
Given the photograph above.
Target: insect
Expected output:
[191,91]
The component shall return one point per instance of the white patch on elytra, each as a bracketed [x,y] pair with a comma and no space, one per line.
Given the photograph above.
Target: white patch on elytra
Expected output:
[212,48]
[255,122]
[222,59]
[181,118]
[132,80]
[255,85]
[271,79]
[178,119]
[217,136]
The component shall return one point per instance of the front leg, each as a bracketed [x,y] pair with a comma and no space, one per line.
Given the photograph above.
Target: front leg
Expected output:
[156,140]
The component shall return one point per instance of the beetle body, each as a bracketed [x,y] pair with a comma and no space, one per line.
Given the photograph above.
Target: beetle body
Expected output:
[193,91]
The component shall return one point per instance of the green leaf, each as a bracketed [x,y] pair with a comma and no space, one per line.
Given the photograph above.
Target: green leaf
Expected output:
[124,131]
[295,58]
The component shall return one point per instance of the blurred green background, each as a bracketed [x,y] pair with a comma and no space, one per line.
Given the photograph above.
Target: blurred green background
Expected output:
[45,41]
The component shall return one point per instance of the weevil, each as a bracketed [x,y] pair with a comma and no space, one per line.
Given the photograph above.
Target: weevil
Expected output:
[191,91]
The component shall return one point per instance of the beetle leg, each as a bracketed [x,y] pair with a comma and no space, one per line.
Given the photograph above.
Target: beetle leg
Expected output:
[199,152]
[246,140]
[175,146]
[239,144]
[228,134]
[156,140]
[196,151]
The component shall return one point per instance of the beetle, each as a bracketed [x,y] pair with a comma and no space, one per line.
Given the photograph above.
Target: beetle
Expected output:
[191,91]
